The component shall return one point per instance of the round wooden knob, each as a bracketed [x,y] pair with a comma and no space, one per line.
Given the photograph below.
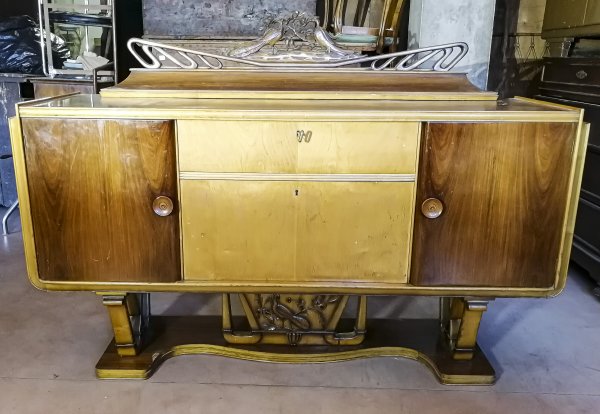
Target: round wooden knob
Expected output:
[432,208]
[162,206]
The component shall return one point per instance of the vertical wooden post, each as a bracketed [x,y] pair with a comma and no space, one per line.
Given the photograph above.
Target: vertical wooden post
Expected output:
[119,308]
[460,319]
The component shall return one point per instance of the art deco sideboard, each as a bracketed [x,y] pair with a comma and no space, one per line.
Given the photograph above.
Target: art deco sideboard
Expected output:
[296,193]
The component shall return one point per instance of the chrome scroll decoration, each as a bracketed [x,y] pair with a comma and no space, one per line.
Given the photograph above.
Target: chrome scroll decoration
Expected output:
[440,58]
[296,41]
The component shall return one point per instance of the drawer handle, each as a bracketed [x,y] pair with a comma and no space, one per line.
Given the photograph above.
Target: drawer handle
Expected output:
[303,136]
[582,74]
[432,208]
[162,206]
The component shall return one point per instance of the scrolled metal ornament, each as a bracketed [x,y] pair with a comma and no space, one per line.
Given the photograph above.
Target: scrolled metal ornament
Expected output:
[296,41]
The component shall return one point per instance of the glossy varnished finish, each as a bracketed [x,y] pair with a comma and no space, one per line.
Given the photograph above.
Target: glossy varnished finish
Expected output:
[306,84]
[328,110]
[351,112]
[91,186]
[504,188]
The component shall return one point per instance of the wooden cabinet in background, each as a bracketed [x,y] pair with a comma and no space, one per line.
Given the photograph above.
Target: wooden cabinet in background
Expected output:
[564,14]
[571,19]
[576,82]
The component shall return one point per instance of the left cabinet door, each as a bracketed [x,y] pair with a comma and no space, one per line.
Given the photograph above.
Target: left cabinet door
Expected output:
[92,185]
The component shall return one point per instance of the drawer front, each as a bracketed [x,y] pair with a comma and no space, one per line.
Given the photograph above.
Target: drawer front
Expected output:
[572,73]
[270,231]
[298,147]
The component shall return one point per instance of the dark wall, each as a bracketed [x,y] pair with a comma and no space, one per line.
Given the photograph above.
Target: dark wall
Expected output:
[18,7]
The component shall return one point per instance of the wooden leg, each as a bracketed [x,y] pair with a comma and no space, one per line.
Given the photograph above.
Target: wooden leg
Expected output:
[460,322]
[129,320]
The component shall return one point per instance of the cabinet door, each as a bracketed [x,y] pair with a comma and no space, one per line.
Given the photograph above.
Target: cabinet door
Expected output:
[354,231]
[238,230]
[92,184]
[503,188]
[274,147]
[269,231]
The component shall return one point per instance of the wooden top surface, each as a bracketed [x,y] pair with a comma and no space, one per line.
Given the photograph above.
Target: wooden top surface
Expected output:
[306,84]
[97,106]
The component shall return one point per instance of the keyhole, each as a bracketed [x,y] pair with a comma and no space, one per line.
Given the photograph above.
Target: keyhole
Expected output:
[296,192]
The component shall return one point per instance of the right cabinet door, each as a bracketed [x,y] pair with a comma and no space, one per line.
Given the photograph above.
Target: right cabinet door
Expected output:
[502,191]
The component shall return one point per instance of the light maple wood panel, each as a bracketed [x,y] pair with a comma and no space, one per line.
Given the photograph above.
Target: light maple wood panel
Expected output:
[221,146]
[504,188]
[359,147]
[91,187]
[238,230]
[354,231]
[273,147]
[261,231]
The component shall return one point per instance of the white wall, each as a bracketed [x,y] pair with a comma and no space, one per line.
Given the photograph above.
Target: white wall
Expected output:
[435,22]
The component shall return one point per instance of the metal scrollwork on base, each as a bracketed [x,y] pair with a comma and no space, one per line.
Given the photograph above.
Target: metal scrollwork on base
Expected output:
[294,319]
[294,42]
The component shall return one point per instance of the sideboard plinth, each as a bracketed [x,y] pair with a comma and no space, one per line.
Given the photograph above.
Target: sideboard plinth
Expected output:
[419,340]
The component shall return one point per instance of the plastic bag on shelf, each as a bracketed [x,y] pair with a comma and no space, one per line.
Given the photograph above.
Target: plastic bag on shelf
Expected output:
[20,48]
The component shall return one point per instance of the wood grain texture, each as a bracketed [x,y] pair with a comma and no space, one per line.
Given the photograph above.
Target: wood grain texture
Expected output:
[354,231]
[286,80]
[504,187]
[325,110]
[273,147]
[293,84]
[296,231]
[91,186]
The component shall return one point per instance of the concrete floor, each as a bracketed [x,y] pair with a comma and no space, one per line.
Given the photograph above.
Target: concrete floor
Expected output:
[545,351]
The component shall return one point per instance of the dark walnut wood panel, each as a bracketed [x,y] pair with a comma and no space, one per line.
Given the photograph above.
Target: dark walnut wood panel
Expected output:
[504,189]
[92,184]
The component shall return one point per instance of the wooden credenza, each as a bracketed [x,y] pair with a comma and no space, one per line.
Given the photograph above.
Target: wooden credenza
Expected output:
[298,192]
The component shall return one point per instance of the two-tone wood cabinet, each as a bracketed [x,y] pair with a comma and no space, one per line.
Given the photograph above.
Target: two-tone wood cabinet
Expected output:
[298,200]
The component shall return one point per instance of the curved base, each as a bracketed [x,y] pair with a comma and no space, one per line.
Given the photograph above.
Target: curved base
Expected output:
[418,340]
